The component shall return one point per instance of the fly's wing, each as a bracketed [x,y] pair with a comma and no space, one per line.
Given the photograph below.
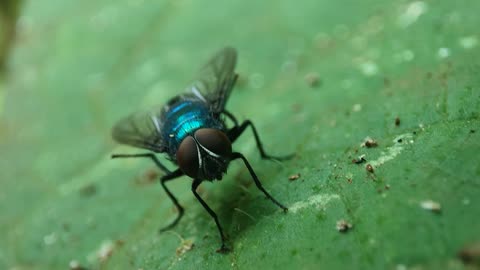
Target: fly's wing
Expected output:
[215,81]
[141,130]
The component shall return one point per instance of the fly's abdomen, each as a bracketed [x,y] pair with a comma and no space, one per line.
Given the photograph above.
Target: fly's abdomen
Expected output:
[184,118]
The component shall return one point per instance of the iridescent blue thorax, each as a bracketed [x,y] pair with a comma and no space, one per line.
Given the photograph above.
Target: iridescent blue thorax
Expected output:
[182,118]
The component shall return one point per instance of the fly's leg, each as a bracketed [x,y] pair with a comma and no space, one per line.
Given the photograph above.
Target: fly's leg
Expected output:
[195,184]
[145,155]
[231,117]
[236,155]
[169,176]
[163,180]
[237,130]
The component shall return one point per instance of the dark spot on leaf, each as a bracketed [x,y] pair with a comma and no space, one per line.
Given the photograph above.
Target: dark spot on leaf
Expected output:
[470,254]
[369,143]
[66,226]
[397,121]
[148,177]
[242,80]
[88,190]
[151,175]
[296,107]
[386,82]
[321,216]
[317,188]
[280,226]
[313,80]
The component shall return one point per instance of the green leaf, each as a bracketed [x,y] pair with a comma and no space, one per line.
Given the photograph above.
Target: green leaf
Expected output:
[316,78]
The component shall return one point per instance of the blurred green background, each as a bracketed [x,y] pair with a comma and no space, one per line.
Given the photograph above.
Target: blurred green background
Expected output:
[316,77]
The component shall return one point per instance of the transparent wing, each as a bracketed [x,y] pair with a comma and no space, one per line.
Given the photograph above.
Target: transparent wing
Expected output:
[142,130]
[215,81]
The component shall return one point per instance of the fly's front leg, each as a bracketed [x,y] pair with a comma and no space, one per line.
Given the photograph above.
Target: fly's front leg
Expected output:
[168,177]
[237,130]
[195,184]
[236,155]
[175,174]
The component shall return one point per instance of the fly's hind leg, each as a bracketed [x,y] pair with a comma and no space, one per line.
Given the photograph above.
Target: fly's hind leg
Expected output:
[223,248]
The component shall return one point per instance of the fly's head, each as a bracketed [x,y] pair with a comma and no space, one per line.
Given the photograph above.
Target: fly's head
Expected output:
[205,155]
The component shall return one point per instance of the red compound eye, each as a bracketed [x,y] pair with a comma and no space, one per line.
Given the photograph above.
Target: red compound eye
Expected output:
[214,141]
[187,157]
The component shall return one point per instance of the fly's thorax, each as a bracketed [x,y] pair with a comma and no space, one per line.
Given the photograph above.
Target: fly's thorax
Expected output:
[205,155]
[183,118]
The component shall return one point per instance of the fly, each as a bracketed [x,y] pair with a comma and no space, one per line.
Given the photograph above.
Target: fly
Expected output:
[191,130]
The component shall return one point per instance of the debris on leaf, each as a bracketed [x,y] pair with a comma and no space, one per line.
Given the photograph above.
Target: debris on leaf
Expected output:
[361,159]
[369,143]
[50,239]
[470,254]
[387,186]
[369,168]
[312,79]
[150,176]
[431,206]
[343,225]
[294,177]
[105,250]
[187,245]
[75,265]
[357,107]
[397,121]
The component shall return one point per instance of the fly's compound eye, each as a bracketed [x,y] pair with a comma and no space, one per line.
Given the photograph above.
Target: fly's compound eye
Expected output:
[187,157]
[215,141]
